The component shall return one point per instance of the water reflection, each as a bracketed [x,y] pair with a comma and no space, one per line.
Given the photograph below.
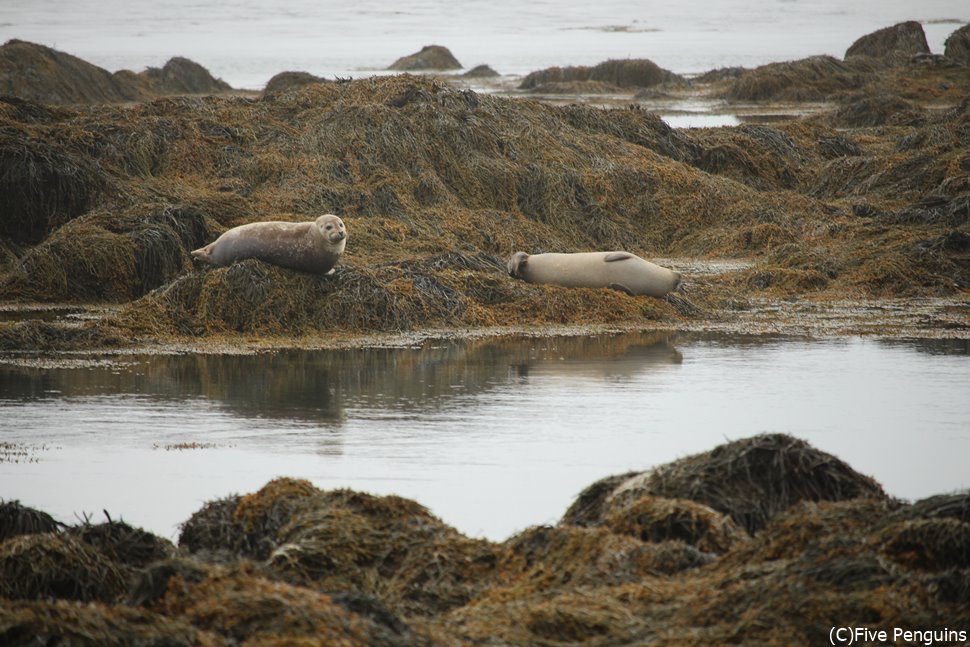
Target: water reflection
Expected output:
[955,347]
[318,386]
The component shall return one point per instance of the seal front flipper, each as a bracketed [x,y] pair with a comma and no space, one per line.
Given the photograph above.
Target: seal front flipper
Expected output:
[617,256]
[622,288]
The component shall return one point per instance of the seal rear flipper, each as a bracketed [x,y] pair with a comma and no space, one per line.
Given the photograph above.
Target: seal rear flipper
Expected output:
[622,288]
[617,256]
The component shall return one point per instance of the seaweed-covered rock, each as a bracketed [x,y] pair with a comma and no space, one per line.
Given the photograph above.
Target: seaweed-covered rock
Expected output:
[57,566]
[17,519]
[213,528]
[45,75]
[548,557]
[389,547]
[288,80]
[243,607]
[957,45]
[181,76]
[430,57]
[481,72]
[653,519]
[750,480]
[620,73]
[878,110]
[124,544]
[817,78]
[898,42]
[61,622]
[43,185]
[934,544]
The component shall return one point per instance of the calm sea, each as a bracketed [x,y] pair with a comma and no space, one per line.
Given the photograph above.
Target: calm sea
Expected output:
[246,42]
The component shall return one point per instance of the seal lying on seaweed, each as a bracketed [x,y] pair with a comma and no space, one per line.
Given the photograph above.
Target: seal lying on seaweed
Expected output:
[313,247]
[618,270]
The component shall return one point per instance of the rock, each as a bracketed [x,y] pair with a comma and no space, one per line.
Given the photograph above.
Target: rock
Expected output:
[431,57]
[182,76]
[481,72]
[891,44]
[957,45]
[639,73]
[39,73]
[289,80]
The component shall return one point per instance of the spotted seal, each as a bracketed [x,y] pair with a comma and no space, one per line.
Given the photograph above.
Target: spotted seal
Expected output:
[618,270]
[311,247]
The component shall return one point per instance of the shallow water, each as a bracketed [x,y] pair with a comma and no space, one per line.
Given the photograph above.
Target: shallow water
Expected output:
[492,435]
[246,42]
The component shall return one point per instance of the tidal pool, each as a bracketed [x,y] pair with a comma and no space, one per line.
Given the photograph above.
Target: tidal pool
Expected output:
[492,435]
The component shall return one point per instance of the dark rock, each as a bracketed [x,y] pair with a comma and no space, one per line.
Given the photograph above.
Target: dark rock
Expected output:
[289,80]
[45,75]
[182,76]
[481,72]
[891,44]
[431,57]
[639,73]
[957,45]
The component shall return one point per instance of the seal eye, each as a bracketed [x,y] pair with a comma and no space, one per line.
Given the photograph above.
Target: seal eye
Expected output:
[329,226]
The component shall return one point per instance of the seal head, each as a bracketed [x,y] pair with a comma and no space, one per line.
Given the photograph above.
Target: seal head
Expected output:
[517,263]
[333,232]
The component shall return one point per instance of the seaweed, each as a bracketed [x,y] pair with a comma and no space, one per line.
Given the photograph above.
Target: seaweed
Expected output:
[50,565]
[750,480]
[17,519]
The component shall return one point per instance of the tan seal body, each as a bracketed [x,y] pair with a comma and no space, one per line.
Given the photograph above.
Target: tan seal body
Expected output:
[618,270]
[311,247]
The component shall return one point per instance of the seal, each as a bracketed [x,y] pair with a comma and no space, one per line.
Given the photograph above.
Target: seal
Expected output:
[618,270]
[312,247]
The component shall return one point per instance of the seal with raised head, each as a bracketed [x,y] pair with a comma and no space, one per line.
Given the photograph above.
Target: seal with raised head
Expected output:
[311,247]
[618,270]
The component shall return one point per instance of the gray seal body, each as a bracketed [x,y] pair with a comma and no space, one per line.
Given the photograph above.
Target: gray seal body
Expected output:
[313,247]
[618,270]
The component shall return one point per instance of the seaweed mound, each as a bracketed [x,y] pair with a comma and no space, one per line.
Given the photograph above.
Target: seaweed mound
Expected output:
[123,543]
[816,78]
[891,44]
[182,76]
[387,547]
[38,566]
[481,72]
[750,480]
[625,73]
[43,185]
[430,57]
[878,110]
[288,80]
[17,519]
[39,73]
[957,45]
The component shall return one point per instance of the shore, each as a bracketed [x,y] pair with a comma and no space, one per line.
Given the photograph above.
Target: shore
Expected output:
[840,207]
[764,540]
